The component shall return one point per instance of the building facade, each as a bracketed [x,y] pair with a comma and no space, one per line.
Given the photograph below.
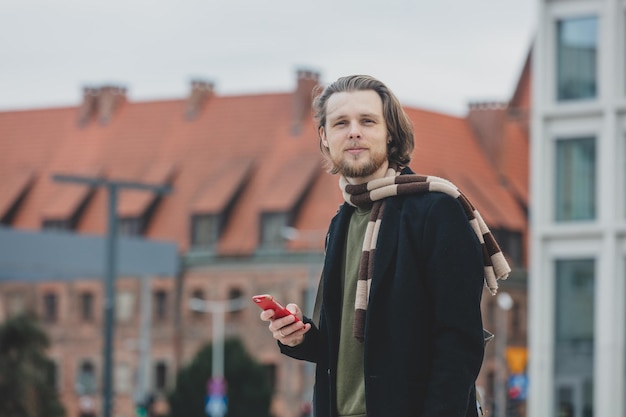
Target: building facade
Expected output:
[248,211]
[577,288]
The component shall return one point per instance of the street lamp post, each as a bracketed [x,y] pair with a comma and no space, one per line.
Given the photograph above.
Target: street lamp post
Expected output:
[110,267]
[505,303]
[312,239]
[216,405]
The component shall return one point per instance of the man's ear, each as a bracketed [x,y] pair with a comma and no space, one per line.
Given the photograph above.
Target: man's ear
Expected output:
[322,134]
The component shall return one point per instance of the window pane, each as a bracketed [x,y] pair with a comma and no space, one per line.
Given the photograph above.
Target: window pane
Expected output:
[124,306]
[123,378]
[575,179]
[574,338]
[50,306]
[577,44]
[86,379]
[86,306]
[160,305]
[130,226]
[204,230]
[56,225]
[273,227]
[160,376]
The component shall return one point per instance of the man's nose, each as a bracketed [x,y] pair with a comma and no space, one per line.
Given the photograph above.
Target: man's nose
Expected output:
[355,131]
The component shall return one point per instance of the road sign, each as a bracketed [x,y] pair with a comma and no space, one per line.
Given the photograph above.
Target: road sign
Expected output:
[518,386]
[216,406]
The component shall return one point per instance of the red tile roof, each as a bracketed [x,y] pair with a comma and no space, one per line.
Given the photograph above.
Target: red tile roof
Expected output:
[446,147]
[12,186]
[234,144]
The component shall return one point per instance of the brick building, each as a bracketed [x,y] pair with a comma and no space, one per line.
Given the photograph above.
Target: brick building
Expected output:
[248,212]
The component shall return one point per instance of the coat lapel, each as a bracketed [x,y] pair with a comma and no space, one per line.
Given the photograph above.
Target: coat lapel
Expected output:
[333,263]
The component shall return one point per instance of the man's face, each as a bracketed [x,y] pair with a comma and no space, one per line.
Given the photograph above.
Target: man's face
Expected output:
[356,135]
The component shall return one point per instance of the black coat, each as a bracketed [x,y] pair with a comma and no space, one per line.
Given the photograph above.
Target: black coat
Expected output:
[423,337]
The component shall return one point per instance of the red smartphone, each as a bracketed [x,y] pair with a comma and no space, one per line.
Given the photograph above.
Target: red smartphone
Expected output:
[267,302]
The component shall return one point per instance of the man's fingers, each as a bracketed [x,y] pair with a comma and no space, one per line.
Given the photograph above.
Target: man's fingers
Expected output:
[266,315]
[291,335]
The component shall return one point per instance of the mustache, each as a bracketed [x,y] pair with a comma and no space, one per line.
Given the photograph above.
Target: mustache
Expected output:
[353,144]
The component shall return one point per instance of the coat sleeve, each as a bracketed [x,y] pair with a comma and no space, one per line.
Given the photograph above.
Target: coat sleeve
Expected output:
[455,279]
[310,348]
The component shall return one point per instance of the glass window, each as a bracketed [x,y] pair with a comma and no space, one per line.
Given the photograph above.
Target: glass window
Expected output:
[576,64]
[575,179]
[86,306]
[574,337]
[56,225]
[50,307]
[130,226]
[86,378]
[511,244]
[124,306]
[160,305]
[273,227]
[204,230]
[160,376]
[123,378]
[235,293]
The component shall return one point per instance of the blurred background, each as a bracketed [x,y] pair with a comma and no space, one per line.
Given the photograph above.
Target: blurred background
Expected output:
[159,166]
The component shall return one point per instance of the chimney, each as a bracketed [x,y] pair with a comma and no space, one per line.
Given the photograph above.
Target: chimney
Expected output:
[111,97]
[100,102]
[89,105]
[307,80]
[486,120]
[201,91]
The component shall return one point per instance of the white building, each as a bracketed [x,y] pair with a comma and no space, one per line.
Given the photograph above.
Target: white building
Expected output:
[577,288]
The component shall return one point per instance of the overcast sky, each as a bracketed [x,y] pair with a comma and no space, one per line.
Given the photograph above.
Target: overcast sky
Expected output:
[435,54]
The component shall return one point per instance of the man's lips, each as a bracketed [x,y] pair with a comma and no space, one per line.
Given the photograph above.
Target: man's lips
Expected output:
[355,151]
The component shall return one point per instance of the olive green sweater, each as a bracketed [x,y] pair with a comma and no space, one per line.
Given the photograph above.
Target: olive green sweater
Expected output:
[350,376]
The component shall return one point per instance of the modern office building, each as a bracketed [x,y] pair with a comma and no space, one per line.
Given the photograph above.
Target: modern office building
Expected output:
[577,287]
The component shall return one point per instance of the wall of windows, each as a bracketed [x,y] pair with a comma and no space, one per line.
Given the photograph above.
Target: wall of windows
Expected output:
[578,210]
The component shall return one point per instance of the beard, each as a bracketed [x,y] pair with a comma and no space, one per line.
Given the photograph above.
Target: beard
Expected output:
[355,168]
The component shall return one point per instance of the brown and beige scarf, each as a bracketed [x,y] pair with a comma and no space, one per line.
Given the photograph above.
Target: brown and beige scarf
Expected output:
[374,193]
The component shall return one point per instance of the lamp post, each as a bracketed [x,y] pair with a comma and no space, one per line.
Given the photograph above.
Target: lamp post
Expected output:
[312,238]
[216,404]
[110,267]
[505,303]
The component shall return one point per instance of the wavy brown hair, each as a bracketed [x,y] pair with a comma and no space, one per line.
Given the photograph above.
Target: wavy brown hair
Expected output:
[399,127]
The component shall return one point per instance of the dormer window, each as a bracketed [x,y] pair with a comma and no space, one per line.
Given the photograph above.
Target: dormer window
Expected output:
[56,225]
[273,226]
[130,226]
[205,230]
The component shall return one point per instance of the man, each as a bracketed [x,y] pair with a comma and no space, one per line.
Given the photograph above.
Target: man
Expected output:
[400,329]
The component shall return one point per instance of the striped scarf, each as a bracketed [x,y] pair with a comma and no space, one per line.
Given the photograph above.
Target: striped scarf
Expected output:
[374,193]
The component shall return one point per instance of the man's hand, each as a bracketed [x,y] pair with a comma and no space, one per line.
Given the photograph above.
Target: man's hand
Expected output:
[287,330]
